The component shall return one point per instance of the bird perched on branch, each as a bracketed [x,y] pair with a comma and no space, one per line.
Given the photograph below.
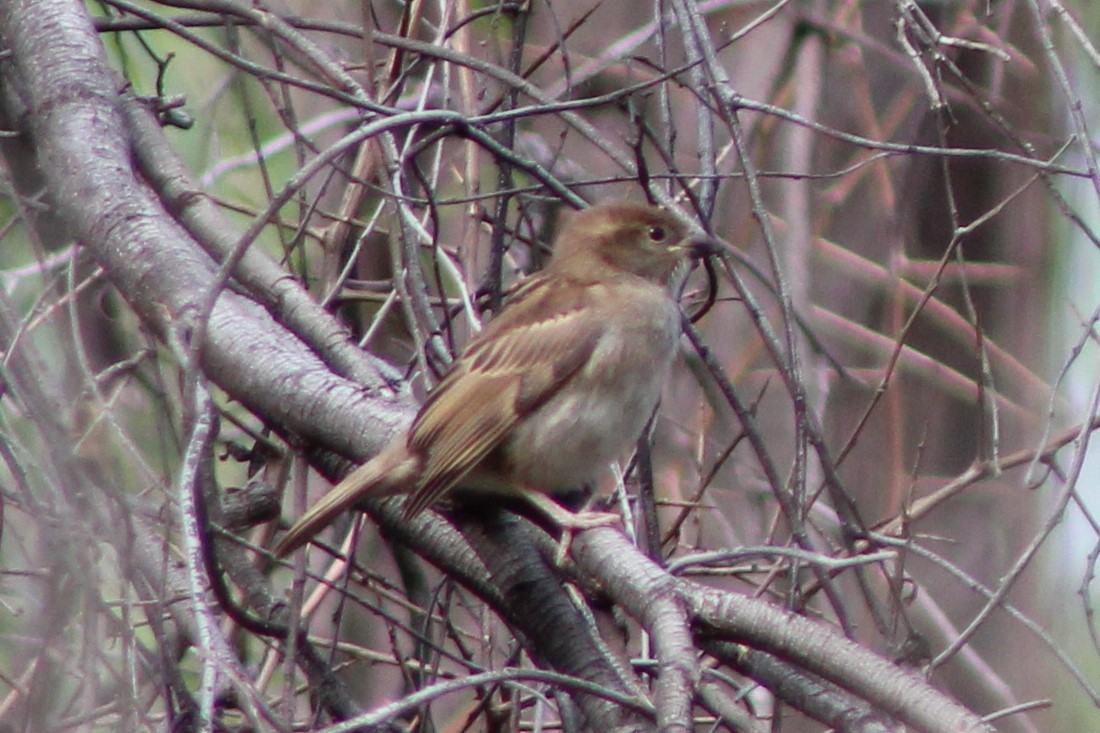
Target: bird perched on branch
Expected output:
[557,386]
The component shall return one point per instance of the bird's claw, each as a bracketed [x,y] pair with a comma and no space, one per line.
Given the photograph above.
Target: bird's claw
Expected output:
[579,522]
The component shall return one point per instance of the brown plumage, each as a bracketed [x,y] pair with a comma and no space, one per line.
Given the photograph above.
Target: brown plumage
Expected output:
[556,387]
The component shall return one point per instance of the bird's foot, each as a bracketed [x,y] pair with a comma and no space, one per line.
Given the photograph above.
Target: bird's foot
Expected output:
[577,523]
[569,522]
[588,520]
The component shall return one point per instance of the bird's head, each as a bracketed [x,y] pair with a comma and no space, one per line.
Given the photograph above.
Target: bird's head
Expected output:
[622,237]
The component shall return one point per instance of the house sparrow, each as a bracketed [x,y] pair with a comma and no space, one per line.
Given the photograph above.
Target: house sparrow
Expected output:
[558,385]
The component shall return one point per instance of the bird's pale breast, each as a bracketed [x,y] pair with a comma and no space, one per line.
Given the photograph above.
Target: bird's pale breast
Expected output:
[599,416]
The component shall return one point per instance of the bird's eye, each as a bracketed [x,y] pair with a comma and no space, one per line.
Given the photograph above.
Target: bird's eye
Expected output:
[657,234]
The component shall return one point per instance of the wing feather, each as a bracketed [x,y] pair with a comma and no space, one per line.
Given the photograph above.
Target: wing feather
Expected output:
[510,369]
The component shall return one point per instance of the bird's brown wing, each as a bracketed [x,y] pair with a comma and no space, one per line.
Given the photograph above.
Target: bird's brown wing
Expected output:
[545,336]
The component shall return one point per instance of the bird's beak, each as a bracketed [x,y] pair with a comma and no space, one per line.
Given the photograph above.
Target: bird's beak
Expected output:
[699,247]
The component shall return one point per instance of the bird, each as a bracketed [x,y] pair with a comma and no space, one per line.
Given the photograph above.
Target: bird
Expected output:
[559,384]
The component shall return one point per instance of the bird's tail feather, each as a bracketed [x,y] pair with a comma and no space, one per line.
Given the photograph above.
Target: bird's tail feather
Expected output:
[387,473]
